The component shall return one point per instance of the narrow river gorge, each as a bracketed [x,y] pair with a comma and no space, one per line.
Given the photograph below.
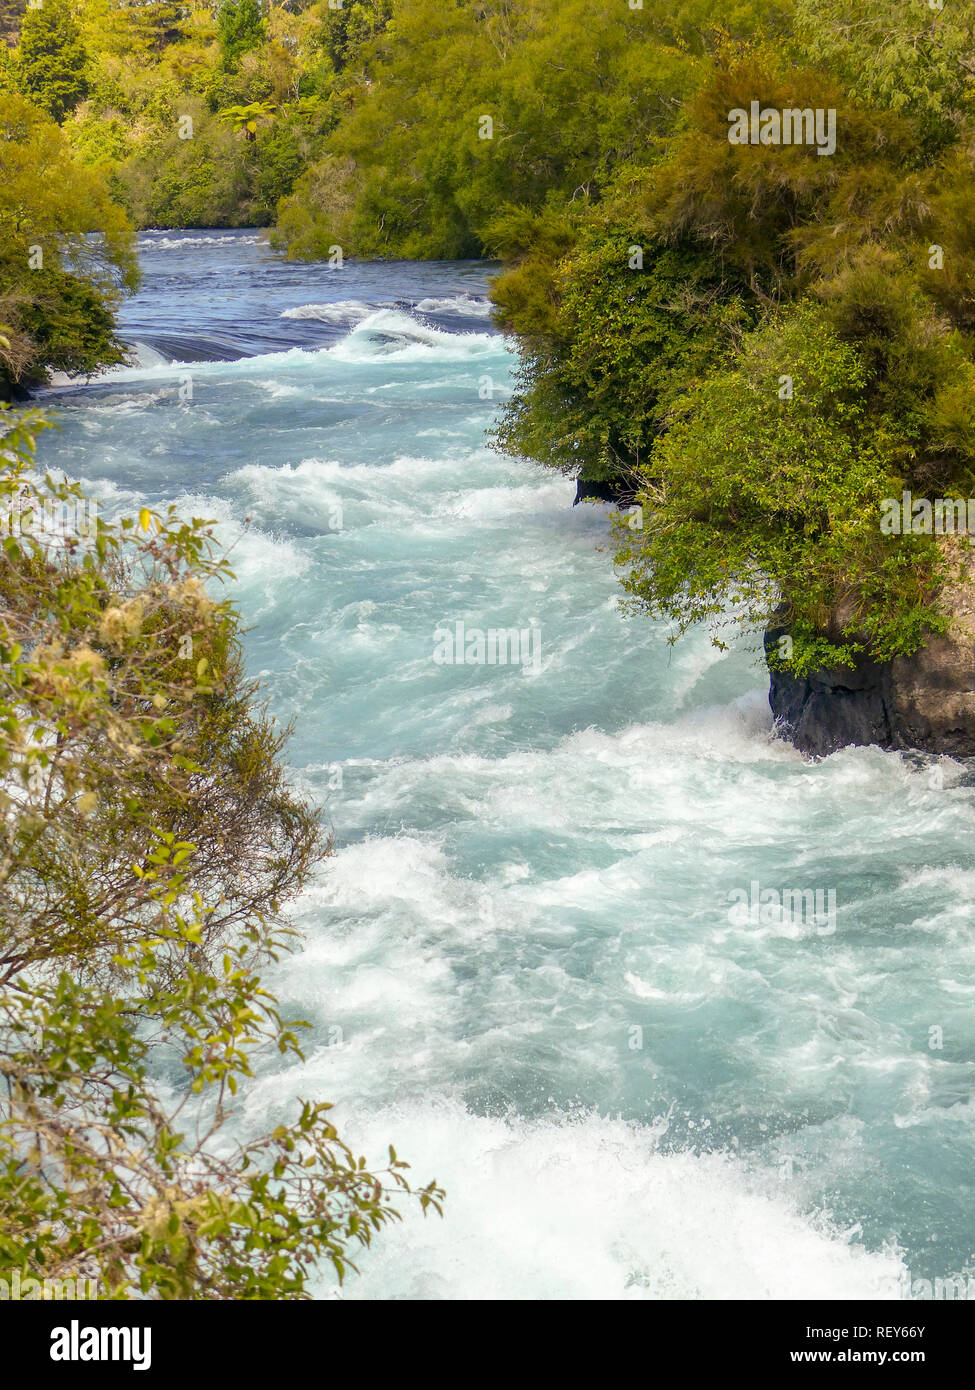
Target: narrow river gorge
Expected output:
[522,965]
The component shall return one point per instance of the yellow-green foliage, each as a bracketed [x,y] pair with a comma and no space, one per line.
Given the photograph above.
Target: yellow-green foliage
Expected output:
[759,484]
[58,286]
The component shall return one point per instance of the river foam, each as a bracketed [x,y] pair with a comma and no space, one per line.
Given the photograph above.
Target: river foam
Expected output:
[521,966]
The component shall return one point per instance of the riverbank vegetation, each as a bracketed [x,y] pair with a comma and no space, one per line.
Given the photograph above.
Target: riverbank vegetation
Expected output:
[59,285]
[150,845]
[762,340]
[758,341]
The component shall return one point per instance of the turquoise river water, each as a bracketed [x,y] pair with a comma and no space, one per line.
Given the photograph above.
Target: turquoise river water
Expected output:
[520,965]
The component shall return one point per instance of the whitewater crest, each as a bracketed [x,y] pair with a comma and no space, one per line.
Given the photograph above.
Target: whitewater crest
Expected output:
[589,1208]
[163,241]
[350,310]
[339,311]
[396,333]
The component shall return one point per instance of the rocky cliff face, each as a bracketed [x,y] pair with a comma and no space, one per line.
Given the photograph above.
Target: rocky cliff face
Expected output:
[924,701]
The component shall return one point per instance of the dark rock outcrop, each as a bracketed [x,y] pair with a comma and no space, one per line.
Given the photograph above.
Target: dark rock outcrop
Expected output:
[925,701]
[11,393]
[603,490]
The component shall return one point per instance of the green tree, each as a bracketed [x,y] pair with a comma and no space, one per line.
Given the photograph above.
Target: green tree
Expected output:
[754,498]
[241,27]
[344,31]
[135,30]
[160,21]
[149,846]
[456,111]
[914,57]
[245,119]
[206,181]
[842,282]
[611,334]
[52,60]
[59,284]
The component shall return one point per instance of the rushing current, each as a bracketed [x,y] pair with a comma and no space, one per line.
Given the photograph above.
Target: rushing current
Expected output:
[523,965]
